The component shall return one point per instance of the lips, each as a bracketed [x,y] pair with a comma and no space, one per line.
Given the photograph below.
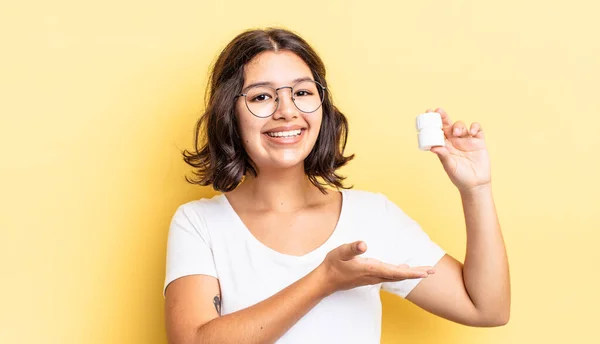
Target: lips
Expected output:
[284,128]
[288,133]
[285,140]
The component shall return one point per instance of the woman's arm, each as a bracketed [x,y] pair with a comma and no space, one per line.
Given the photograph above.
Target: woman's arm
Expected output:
[192,311]
[268,320]
[478,293]
[191,317]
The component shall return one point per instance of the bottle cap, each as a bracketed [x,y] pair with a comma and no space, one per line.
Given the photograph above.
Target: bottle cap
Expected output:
[429,119]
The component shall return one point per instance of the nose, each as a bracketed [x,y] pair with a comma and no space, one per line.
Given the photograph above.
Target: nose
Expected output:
[285,108]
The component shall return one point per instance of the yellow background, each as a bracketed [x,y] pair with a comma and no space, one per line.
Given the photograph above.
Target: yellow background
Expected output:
[97,99]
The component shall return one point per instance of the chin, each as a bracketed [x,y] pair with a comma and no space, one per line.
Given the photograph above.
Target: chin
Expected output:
[283,161]
[286,163]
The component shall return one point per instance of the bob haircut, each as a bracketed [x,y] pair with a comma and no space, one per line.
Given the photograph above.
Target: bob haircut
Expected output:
[220,159]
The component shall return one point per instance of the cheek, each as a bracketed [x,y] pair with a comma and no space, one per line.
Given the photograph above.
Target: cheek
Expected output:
[245,132]
[244,126]
[315,123]
[249,130]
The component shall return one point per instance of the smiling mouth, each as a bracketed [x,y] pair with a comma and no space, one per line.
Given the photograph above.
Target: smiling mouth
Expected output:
[290,133]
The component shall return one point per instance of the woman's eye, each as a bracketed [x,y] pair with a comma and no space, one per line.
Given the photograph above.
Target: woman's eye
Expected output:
[261,98]
[303,93]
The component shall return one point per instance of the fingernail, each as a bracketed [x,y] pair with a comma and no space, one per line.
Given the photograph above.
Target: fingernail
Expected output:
[456,131]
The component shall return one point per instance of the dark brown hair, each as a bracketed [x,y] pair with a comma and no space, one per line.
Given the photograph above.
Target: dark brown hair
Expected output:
[220,159]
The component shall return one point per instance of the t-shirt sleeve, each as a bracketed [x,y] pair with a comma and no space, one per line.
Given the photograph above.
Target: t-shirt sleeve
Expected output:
[188,246]
[408,244]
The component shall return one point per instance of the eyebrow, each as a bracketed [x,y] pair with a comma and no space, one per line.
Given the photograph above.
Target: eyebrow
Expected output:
[269,83]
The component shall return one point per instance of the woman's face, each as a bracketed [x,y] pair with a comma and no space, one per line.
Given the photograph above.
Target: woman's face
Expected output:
[286,138]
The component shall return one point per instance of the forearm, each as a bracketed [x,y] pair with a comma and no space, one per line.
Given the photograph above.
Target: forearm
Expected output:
[268,320]
[485,270]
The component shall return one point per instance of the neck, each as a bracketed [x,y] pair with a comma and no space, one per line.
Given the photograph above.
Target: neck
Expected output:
[281,190]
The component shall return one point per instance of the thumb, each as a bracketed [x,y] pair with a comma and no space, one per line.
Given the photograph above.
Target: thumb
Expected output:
[349,251]
[442,153]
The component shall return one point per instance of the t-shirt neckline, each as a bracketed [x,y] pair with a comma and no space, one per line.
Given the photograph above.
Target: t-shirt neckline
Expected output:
[327,245]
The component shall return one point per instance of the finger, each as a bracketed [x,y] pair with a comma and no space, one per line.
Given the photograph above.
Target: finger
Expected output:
[476,130]
[418,269]
[428,269]
[446,121]
[376,268]
[403,275]
[475,127]
[401,272]
[349,251]
[459,129]
[442,153]
[445,118]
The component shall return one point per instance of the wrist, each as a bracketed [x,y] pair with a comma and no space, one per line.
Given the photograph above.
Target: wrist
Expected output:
[477,191]
[320,281]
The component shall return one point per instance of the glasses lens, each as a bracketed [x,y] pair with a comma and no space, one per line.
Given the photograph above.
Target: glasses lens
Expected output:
[308,96]
[261,101]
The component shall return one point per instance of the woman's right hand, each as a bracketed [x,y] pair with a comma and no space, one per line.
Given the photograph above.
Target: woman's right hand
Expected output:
[343,269]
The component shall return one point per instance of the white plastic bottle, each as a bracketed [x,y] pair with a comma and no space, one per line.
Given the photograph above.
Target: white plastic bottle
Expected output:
[429,126]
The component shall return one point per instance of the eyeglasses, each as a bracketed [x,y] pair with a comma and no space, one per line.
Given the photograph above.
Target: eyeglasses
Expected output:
[262,101]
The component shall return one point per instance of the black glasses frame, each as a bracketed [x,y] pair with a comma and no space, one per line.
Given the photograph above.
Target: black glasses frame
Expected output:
[277,99]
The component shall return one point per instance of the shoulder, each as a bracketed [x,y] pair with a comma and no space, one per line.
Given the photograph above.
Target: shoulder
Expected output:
[364,198]
[366,204]
[202,204]
[194,221]
[197,211]
[375,204]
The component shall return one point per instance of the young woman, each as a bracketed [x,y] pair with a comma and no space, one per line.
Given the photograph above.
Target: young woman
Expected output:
[288,254]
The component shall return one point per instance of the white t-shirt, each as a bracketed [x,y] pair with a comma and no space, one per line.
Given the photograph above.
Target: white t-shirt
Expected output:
[207,237]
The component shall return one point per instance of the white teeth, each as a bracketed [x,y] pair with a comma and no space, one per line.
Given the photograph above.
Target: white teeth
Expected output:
[286,133]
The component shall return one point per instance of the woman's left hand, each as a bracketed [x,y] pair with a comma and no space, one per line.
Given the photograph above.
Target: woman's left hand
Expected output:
[465,157]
